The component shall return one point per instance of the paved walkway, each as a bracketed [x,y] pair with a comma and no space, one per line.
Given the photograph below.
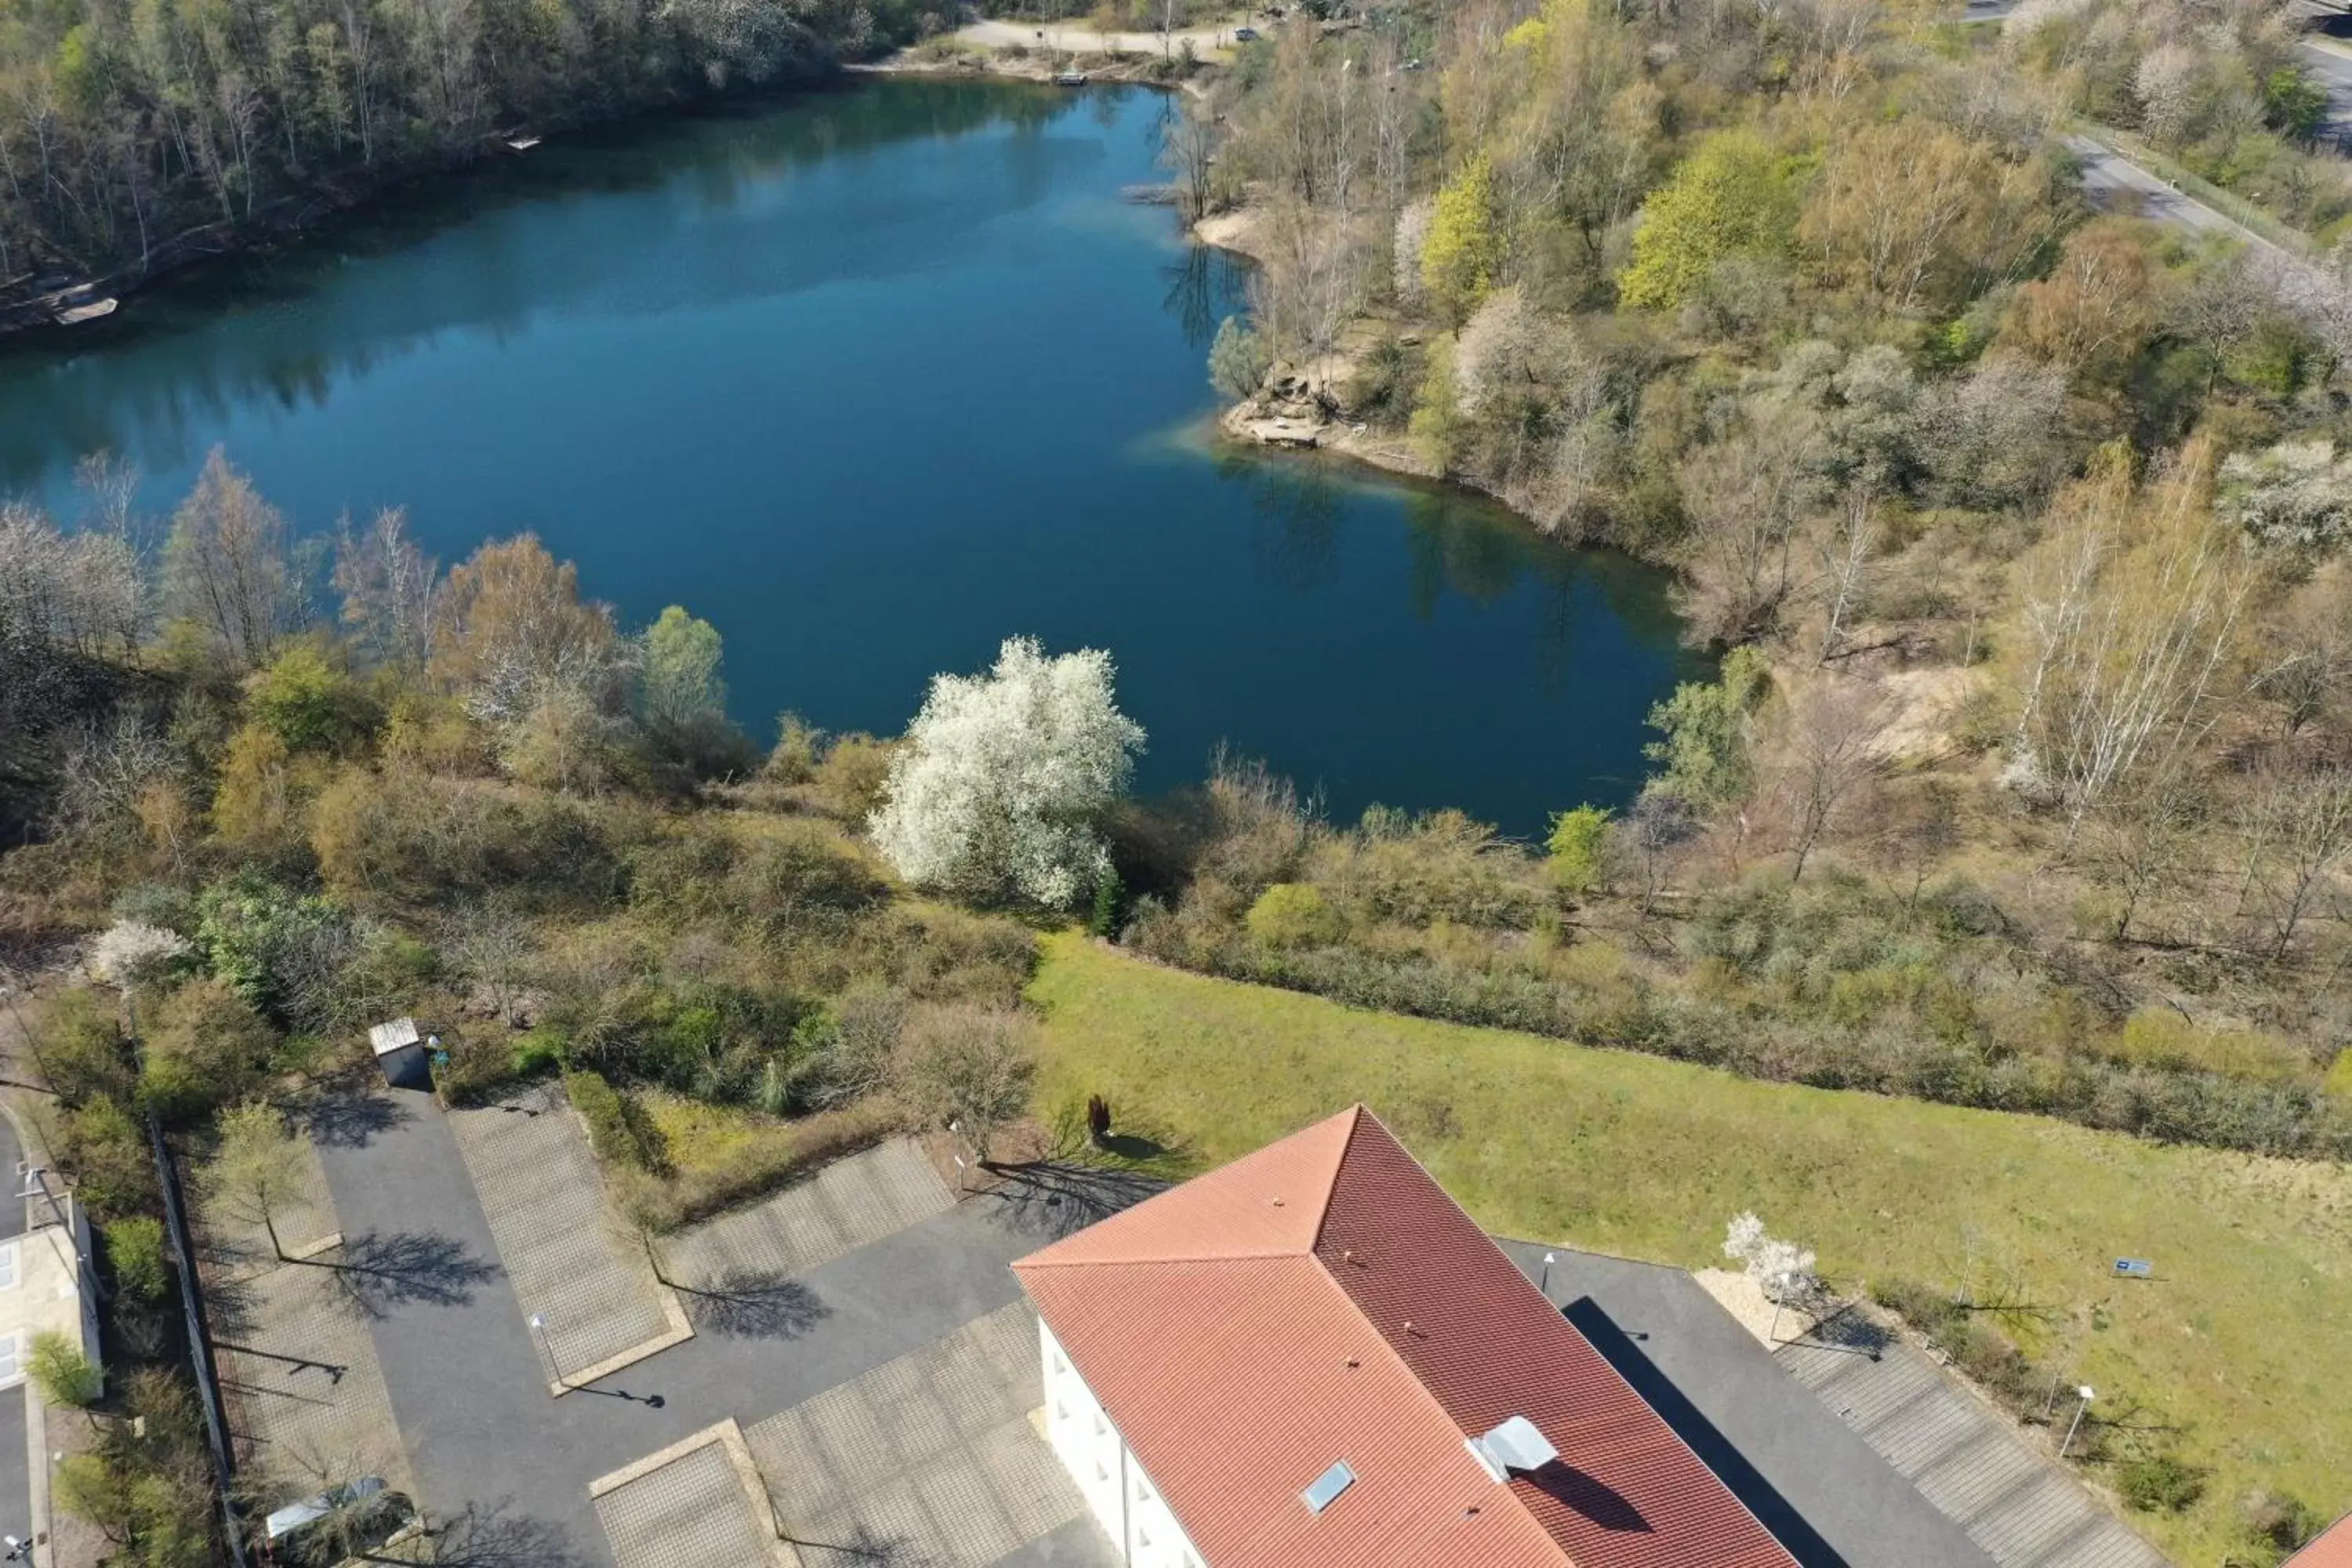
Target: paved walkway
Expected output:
[570,1263]
[842,1207]
[928,1460]
[2019,1504]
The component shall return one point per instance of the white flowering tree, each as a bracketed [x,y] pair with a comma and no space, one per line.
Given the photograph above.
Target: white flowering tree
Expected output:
[1004,778]
[1781,1269]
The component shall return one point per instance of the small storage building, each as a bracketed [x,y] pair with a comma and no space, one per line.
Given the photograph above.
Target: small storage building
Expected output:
[400,1053]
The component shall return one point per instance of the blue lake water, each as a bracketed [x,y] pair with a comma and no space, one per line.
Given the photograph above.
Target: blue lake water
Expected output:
[872,379]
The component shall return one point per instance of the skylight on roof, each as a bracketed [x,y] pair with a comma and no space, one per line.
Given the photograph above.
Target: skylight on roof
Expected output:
[1328,1487]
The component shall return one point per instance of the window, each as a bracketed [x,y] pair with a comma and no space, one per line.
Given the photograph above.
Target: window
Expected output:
[1059,1365]
[11,1367]
[1099,1428]
[1142,1537]
[8,1266]
[1143,1490]
[1101,1474]
[1061,1410]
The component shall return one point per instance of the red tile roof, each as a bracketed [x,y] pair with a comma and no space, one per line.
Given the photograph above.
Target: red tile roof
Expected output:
[1324,1300]
[2333,1549]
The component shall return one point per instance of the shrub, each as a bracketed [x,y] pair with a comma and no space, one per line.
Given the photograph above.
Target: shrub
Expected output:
[1576,852]
[2281,1521]
[2159,1483]
[107,1152]
[617,1130]
[207,1045]
[308,703]
[62,1373]
[264,939]
[849,782]
[2339,1077]
[968,1064]
[1294,914]
[135,1246]
[82,1049]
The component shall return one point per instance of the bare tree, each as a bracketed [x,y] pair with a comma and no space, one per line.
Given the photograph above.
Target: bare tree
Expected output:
[228,565]
[2299,829]
[1846,551]
[1829,747]
[388,586]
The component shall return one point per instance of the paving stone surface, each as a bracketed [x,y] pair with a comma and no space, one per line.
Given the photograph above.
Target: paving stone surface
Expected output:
[689,1513]
[543,1197]
[2017,1503]
[841,1208]
[927,1461]
[306,1399]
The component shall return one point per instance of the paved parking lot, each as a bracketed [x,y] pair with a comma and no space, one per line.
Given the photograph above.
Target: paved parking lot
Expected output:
[928,1461]
[693,1510]
[869,1271]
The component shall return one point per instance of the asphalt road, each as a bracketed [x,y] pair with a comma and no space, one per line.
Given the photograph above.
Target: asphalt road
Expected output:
[16,1474]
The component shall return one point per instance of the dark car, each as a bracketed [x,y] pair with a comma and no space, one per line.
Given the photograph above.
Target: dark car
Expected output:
[1245,35]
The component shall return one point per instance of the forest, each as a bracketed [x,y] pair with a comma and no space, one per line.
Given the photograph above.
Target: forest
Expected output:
[2028,779]
[138,133]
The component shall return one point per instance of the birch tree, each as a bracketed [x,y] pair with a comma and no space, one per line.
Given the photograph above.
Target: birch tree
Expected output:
[2130,615]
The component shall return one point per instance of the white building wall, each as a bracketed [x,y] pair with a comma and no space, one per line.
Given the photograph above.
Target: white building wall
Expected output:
[1125,1502]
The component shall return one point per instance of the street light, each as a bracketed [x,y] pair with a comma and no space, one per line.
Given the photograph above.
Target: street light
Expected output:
[2085,1395]
[1550,1259]
[19,1551]
[554,1371]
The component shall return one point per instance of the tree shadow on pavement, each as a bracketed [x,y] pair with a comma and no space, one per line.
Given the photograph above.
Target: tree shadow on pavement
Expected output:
[380,1272]
[1054,1198]
[861,1546]
[748,1304]
[348,1115]
[489,1536]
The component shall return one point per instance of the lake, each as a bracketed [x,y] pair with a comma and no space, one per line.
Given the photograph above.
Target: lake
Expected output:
[872,379]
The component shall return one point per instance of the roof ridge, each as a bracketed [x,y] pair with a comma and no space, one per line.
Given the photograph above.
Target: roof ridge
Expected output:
[1355,1115]
[1038,1261]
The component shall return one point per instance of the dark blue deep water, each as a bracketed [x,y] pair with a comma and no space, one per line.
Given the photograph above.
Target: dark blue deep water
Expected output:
[871,380]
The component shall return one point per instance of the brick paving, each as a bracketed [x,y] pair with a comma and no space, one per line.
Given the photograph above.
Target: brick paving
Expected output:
[841,1207]
[2017,1503]
[928,1461]
[544,1199]
[306,1399]
[689,1513]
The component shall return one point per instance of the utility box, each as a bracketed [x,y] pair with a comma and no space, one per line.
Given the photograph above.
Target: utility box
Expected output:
[400,1053]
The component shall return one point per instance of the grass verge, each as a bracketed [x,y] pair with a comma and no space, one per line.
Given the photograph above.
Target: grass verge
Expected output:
[2238,1342]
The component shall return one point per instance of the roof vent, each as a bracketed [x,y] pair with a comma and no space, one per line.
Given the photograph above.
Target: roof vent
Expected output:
[1328,1487]
[1516,1445]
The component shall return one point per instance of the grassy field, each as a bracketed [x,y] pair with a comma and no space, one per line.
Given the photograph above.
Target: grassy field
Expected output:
[2241,1340]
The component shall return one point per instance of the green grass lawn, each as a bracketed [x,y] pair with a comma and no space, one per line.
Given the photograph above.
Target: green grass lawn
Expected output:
[2243,1340]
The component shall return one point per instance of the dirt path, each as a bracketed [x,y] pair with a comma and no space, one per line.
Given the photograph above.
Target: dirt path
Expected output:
[1079,40]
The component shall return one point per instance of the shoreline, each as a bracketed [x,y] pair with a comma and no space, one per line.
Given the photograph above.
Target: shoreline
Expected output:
[304,215]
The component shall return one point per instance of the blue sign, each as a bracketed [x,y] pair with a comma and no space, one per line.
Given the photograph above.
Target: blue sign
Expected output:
[2134,1267]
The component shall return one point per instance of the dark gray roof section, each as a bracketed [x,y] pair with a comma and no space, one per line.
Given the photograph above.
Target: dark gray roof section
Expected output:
[1821,1490]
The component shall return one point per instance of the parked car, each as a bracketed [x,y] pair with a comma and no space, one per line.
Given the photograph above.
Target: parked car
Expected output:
[1245,35]
[322,1530]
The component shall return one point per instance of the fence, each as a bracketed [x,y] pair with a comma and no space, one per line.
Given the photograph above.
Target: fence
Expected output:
[200,1344]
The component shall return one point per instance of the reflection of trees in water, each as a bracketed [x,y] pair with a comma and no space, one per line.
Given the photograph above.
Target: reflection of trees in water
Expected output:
[1205,286]
[1295,512]
[175,367]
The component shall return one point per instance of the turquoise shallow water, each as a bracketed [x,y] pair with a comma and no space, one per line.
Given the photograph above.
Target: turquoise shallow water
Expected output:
[872,379]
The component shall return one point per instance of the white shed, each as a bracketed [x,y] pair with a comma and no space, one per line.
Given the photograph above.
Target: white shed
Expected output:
[400,1053]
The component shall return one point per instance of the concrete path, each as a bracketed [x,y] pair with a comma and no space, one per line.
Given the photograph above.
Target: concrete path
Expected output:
[2021,1506]
[510,1465]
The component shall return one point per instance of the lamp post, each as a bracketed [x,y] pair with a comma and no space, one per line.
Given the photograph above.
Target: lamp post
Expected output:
[539,1325]
[1550,1259]
[2085,1395]
[19,1551]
